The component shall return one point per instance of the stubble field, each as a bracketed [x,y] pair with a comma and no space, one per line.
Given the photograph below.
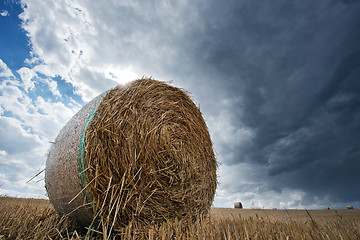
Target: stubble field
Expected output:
[36,219]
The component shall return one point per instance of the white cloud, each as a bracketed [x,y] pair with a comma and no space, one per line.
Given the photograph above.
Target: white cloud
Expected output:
[54,118]
[94,45]
[14,138]
[43,117]
[26,127]
[248,184]
[230,137]
[27,76]
[23,155]
[14,182]
[5,72]
[15,101]
[3,153]
[53,86]
[4,13]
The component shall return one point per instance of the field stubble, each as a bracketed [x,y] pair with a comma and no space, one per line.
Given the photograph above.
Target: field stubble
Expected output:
[36,219]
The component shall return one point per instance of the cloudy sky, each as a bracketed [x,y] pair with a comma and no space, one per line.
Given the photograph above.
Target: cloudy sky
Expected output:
[278,83]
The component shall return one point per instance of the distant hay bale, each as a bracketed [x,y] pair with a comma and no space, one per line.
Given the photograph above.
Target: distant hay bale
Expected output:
[140,152]
[238,205]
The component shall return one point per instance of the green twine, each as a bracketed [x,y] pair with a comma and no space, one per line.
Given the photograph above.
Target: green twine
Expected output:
[81,153]
[89,230]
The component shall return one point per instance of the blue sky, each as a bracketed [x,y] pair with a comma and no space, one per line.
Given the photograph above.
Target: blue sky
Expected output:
[277,83]
[14,37]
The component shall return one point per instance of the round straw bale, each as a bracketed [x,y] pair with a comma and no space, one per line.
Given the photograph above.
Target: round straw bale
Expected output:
[140,152]
[238,205]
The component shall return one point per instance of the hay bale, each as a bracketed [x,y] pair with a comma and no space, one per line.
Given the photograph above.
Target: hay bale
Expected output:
[141,152]
[238,205]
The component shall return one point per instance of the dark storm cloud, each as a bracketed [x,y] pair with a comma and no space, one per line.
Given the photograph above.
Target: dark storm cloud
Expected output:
[323,154]
[296,65]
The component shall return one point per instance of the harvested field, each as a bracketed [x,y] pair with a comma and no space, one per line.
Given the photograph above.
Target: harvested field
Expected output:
[36,219]
[302,216]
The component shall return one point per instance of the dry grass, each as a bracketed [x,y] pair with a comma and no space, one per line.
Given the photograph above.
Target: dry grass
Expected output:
[36,219]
